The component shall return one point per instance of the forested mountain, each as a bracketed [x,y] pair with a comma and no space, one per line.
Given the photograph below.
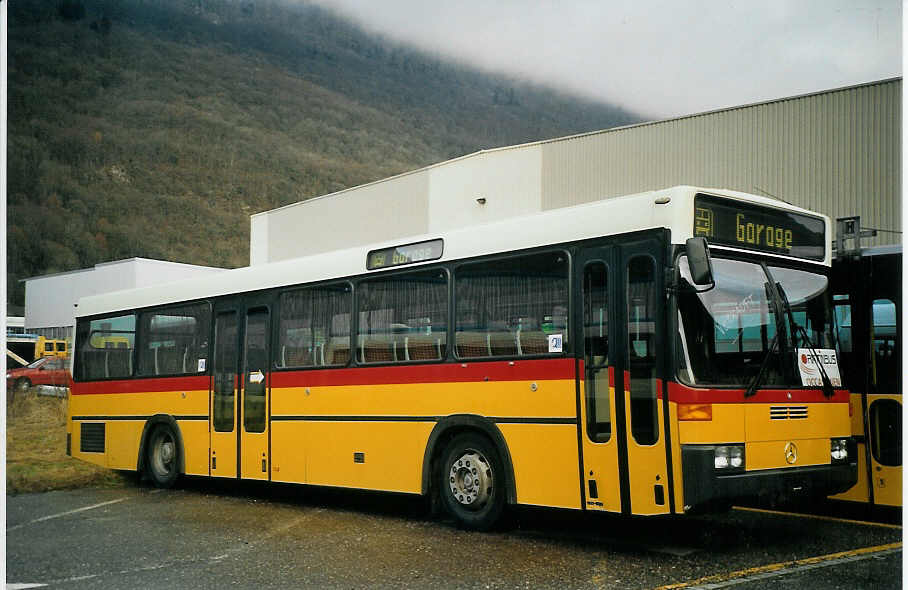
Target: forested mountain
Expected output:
[156,127]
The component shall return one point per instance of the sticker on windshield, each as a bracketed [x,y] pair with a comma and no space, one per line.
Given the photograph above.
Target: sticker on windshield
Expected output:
[556,344]
[810,372]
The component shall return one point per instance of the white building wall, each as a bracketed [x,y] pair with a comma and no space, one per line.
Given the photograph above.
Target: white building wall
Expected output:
[371,213]
[509,180]
[153,272]
[50,300]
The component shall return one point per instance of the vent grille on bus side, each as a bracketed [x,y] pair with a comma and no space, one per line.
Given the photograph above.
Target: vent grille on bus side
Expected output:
[788,412]
[92,438]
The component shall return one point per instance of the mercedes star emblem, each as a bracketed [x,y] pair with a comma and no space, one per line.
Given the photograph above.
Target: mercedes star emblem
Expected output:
[791,453]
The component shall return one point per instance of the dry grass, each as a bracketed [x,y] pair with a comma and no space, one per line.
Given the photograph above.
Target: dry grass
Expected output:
[36,459]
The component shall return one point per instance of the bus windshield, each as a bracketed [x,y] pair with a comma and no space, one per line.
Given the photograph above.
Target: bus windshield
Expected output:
[726,333]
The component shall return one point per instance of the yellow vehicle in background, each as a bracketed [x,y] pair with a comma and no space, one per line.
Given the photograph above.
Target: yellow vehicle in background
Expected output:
[22,349]
[49,347]
[866,286]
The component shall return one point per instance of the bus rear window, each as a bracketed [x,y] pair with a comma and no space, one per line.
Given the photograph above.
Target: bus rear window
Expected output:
[105,348]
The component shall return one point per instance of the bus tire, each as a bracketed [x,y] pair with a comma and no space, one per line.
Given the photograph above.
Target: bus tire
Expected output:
[162,460]
[471,482]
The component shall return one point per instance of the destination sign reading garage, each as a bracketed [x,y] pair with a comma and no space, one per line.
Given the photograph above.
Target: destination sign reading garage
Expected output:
[397,255]
[752,227]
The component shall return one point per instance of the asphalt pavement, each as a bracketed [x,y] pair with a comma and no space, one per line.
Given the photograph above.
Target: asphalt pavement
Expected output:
[223,534]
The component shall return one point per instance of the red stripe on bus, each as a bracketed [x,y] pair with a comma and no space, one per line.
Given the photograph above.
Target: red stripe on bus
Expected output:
[689,395]
[143,385]
[544,369]
[519,370]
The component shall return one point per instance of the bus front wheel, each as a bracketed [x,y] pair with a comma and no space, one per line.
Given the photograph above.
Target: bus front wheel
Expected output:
[471,482]
[162,459]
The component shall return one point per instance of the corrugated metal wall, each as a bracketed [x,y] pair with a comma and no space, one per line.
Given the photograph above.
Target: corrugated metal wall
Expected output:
[837,152]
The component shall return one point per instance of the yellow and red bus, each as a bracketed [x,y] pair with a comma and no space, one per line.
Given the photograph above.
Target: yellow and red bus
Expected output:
[658,353]
[867,289]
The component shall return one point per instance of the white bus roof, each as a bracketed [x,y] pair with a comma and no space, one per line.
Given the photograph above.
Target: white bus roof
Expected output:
[670,208]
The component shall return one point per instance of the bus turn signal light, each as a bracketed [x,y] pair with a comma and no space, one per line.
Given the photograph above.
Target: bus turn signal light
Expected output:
[692,412]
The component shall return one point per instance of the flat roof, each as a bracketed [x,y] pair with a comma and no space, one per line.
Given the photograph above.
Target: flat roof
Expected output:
[115,263]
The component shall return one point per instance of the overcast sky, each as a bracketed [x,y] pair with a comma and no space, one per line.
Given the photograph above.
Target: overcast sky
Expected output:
[657,58]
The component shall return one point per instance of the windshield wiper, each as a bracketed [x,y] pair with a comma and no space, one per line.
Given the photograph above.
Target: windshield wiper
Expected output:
[758,378]
[799,329]
[772,296]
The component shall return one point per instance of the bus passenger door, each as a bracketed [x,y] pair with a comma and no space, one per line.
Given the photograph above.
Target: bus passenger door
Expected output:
[625,466]
[240,390]
[256,383]
[223,413]
[884,400]
[640,358]
[601,431]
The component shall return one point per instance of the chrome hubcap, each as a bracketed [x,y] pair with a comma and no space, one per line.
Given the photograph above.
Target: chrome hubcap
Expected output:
[470,479]
[163,455]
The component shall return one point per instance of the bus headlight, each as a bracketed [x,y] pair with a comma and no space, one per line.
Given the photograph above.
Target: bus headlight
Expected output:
[838,449]
[729,456]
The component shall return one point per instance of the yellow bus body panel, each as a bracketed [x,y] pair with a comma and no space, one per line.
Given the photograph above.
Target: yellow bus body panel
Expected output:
[646,464]
[600,462]
[555,398]
[545,463]
[726,426]
[677,473]
[824,420]
[772,454]
[859,492]
[123,437]
[887,479]
[391,454]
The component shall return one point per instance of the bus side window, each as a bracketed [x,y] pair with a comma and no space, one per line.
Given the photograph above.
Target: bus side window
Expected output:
[173,340]
[314,327]
[595,347]
[642,299]
[886,359]
[403,318]
[224,371]
[849,365]
[886,432]
[106,348]
[512,306]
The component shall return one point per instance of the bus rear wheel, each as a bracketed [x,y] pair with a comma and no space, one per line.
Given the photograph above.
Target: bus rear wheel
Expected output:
[162,461]
[471,482]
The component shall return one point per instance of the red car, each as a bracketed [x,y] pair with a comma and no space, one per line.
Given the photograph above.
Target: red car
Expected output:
[44,371]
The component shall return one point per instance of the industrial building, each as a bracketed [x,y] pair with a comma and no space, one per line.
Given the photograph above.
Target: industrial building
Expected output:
[50,300]
[837,152]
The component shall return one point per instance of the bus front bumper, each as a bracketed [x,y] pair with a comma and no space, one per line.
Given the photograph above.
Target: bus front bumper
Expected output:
[705,486]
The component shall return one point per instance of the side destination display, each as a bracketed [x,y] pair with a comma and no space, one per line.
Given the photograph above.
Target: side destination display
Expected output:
[752,227]
[408,254]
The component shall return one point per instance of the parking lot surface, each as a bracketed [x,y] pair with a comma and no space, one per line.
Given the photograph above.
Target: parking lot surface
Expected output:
[219,534]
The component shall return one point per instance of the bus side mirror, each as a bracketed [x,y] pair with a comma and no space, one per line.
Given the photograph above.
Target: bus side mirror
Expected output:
[701,267]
